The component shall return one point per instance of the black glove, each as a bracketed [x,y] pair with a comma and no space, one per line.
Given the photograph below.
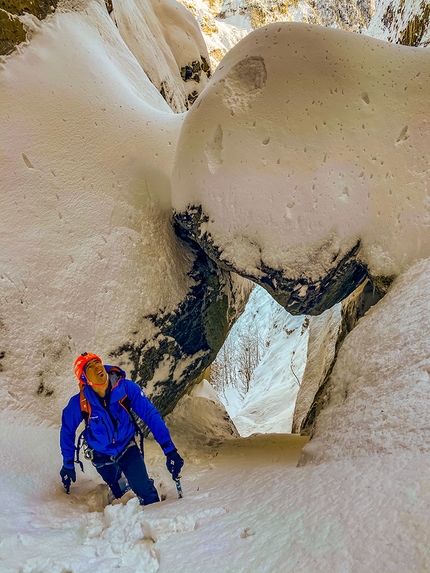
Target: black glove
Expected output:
[67,475]
[174,463]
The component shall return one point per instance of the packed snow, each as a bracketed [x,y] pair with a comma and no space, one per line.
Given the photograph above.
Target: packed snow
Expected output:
[306,142]
[378,401]
[364,507]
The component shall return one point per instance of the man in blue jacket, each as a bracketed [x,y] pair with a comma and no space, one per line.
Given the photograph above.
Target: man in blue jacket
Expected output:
[104,402]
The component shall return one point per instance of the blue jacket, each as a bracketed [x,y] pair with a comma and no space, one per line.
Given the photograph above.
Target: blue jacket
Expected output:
[109,432]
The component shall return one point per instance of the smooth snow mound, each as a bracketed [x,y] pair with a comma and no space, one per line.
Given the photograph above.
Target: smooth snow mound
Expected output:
[306,141]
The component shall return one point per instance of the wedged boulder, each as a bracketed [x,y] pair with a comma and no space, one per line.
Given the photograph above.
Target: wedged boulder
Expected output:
[90,258]
[304,163]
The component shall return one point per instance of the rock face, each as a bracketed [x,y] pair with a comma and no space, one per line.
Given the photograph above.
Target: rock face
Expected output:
[286,181]
[224,23]
[401,22]
[185,341]
[323,334]
[90,258]
[12,30]
[325,340]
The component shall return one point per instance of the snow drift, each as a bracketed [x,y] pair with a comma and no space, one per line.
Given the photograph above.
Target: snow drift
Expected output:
[378,395]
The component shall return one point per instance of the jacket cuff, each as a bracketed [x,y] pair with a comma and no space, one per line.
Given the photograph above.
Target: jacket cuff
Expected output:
[69,464]
[168,447]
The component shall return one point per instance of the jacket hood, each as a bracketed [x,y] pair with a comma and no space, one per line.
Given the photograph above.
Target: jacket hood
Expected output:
[114,373]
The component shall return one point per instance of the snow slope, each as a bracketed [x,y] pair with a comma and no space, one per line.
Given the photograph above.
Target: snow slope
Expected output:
[246,507]
[164,38]
[86,157]
[268,406]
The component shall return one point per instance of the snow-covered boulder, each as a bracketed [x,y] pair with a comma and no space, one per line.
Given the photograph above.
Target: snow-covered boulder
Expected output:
[200,421]
[89,259]
[304,164]
[378,393]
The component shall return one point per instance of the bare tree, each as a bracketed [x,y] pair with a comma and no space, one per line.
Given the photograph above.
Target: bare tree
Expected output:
[248,356]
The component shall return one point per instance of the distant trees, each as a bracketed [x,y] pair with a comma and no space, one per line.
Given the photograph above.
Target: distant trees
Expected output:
[242,353]
[237,361]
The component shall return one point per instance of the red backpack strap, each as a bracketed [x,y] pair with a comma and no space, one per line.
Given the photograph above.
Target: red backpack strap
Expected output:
[85,405]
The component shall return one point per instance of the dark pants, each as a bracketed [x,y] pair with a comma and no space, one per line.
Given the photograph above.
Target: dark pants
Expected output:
[130,463]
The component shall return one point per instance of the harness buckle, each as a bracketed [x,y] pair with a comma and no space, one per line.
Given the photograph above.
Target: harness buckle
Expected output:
[88,452]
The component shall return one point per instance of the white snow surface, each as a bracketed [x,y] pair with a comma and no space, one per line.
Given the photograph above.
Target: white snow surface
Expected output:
[379,396]
[164,37]
[87,151]
[364,508]
[306,141]
[268,406]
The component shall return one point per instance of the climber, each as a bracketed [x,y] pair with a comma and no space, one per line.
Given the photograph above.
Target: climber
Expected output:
[107,402]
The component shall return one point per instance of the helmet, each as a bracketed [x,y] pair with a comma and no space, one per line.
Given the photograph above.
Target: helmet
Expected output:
[80,363]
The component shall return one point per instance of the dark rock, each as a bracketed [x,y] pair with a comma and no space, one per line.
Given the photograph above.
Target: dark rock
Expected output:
[187,340]
[39,8]
[297,296]
[192,98]
[206,67]
[193,70]
[12,32]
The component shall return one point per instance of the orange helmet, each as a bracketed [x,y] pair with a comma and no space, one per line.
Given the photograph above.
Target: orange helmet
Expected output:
[80,363]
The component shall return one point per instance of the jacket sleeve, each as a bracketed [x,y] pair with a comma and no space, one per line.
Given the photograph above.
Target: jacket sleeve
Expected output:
[71,419]
[150,415]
